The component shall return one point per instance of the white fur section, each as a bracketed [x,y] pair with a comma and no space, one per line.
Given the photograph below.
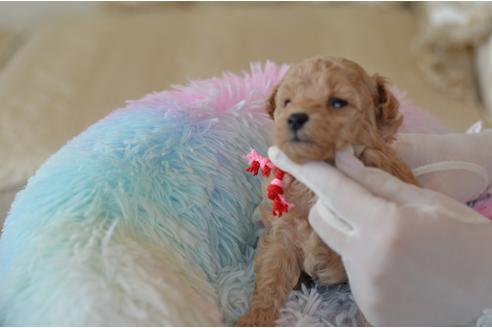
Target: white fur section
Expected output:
[115,278]
[319,307]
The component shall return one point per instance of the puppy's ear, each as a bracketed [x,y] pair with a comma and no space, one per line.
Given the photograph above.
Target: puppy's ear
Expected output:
[388,117]
[270,103]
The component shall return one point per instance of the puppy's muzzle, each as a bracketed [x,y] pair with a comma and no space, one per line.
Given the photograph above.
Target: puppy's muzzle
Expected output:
[297,120]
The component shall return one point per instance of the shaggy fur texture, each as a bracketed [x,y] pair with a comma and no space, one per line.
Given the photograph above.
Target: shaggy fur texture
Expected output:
[319,307]
[321,105]
[146,217]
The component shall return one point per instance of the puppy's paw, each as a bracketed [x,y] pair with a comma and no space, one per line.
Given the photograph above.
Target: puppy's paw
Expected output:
[258,318]
[322,263]
[328,276]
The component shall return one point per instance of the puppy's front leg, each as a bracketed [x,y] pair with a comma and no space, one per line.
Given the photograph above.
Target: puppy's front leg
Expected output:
[321,262]
[277,271]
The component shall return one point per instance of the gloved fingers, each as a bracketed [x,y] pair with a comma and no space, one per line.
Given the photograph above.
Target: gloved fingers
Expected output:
[376,181]
[445,163]
[333,188]
[458,182]
[334,231]
[320,177]
[423,149]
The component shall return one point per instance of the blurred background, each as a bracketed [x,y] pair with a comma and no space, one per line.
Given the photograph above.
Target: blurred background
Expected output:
[65,65]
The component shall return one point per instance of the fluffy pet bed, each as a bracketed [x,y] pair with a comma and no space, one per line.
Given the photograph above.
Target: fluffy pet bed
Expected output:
[147,219]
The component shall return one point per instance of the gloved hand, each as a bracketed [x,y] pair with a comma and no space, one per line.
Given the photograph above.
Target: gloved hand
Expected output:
[413,256]
[459,165]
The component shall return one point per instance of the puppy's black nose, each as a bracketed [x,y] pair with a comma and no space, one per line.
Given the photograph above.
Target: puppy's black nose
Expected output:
[297,120]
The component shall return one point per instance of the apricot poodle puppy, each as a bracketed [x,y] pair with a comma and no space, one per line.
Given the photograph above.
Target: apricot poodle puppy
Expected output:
[321,105]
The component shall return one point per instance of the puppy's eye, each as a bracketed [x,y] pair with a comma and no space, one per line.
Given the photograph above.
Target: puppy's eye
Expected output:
[286,102]
[337,103]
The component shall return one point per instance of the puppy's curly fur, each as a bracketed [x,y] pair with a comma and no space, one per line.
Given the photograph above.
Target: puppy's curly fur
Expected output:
[321,105]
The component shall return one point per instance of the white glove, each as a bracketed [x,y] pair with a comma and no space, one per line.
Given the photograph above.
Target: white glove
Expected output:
[459,165]
[413,256]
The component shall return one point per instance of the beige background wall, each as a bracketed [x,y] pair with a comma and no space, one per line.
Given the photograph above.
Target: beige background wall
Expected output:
[63,66]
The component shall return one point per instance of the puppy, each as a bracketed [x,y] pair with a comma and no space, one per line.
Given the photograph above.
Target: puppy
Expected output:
[321,105]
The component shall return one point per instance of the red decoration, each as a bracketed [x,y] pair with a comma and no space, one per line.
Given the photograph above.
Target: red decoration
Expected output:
[276,188]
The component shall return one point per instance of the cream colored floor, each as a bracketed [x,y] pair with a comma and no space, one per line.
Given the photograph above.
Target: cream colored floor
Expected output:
[60,75]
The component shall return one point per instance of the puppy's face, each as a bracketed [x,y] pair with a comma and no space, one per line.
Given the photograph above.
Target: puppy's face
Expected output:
[325,104]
